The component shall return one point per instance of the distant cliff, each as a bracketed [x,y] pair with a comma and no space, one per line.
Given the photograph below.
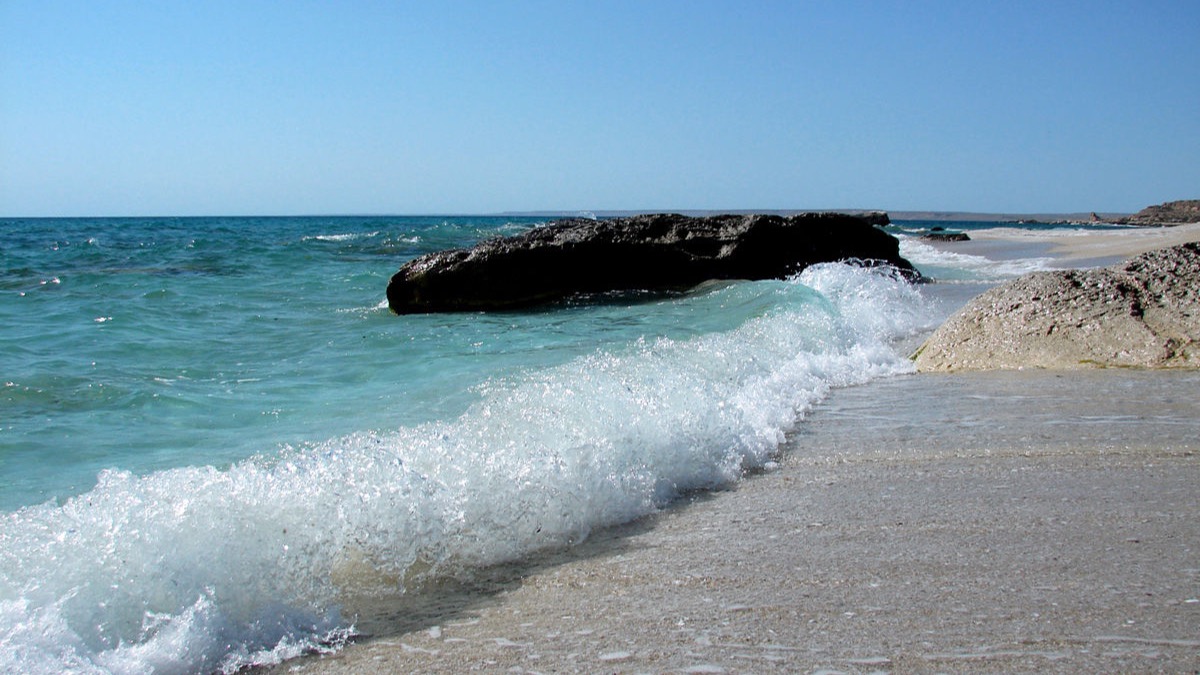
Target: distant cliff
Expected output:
[1179,212]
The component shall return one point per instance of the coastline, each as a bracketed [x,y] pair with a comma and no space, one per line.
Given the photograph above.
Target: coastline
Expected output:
[983,522]
[1083,248]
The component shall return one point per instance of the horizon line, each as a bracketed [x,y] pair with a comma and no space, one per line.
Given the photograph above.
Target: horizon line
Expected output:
[913,214]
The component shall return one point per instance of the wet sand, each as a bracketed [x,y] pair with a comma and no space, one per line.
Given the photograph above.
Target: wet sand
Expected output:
[984,522]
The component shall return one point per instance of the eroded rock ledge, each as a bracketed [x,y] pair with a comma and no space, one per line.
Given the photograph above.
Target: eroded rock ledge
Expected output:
[660,252]
[1144,312]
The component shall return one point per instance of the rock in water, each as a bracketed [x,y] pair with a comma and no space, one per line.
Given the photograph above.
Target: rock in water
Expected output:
[642,253]
[1144,312]
[945,236]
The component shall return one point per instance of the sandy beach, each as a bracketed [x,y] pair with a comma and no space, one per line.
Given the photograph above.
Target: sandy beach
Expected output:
[985,522]
[1083,248]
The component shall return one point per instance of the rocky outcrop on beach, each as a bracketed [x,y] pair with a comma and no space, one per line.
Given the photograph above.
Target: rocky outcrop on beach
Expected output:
[1171,213]
[940,235]
[1144,312]
[662,252]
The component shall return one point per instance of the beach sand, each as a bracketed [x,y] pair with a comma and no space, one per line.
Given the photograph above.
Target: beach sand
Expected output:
[1088,248]
[985,522]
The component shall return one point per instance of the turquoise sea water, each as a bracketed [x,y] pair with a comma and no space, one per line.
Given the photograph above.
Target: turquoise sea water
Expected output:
[213,431]
[151,343]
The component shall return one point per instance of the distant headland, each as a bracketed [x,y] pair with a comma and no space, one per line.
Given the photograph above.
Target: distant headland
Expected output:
[1170,213]
[895,215]
[1180,212]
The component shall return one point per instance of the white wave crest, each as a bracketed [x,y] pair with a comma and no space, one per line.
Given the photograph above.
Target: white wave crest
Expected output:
[200,569]
[350,236]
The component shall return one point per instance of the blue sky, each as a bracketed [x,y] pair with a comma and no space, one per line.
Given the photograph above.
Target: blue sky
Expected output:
[293,107]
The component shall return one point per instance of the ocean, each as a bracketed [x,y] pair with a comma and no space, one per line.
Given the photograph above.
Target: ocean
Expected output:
[214,434]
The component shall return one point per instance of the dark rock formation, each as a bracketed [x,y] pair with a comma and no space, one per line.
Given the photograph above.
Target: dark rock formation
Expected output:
[875,217]
[1144,312]
[1171,213]
[651,252]
[945,236]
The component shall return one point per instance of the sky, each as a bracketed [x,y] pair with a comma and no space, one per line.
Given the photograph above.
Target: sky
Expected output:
[299,107]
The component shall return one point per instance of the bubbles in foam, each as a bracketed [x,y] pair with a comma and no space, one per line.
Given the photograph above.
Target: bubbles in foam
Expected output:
[199,569]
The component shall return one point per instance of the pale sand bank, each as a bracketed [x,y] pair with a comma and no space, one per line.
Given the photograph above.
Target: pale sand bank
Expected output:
[985,522]
[1075,246]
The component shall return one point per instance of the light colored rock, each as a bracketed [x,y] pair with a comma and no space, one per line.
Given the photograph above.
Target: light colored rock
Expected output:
[1144,312]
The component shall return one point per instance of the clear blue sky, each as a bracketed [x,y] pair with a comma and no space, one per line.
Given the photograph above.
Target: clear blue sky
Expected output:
[294,107]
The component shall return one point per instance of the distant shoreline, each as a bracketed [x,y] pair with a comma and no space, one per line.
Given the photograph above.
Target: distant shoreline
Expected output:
[969,216]
[1098,247]
[966,216]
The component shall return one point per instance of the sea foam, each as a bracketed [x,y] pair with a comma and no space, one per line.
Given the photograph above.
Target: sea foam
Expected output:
[199,569]
[950,266]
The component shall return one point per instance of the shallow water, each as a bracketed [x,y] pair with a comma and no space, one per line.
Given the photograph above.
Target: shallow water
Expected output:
[1006,413]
